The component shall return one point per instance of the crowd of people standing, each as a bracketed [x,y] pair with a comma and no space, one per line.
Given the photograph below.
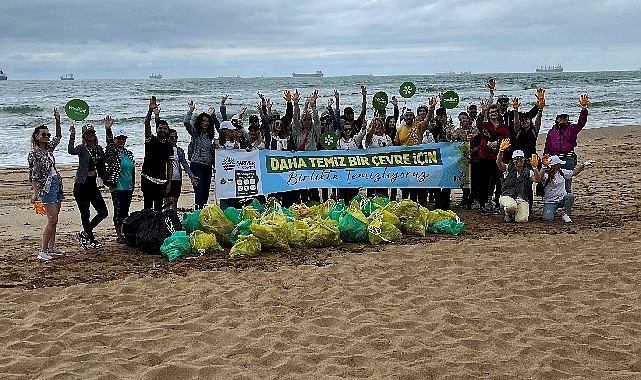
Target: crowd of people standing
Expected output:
[503,156]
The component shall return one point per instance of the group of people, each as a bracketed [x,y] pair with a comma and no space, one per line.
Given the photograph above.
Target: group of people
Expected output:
[503,159]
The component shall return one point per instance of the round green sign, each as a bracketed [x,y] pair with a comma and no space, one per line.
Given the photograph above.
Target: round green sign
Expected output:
[380,100]
[328,140]
[77,109]
[407,89]
[449,100]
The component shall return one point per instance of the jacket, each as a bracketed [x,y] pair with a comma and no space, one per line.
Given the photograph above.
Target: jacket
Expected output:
[112,161]
[84,157]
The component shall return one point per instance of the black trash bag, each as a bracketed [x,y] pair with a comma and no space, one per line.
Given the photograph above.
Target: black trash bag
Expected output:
[131,225]
[155,229]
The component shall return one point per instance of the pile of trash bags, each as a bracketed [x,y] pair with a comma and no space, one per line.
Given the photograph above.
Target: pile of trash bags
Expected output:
[271,227]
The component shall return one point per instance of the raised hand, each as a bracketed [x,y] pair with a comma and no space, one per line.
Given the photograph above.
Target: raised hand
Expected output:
[534,161]
[583,100]
[152,103]
[287,95]
[336,95]
[261,96]
[268,103]
[363,91]
[108,122]
[211,110]
[191,105]
[540,98]
[485,104]
[515,103]
[330,102]
[491,83]
[394,101]
[157,111]
[546,160]
[223,99]
[295,96]
[432,102]
[56,114]
[72,129]
[505,143]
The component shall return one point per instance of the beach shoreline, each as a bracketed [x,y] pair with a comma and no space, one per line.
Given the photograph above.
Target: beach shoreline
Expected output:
[501,300]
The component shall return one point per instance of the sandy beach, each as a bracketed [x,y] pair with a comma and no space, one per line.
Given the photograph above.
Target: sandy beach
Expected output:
[500,301]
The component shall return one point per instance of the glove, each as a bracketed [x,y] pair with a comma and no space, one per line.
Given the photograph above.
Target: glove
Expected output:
[534,161]
[287,96]
[583,100]
[432,102]
[515,103]
[540,96]
[40,209]
[505,143]
[546,160]
[587,163]
[491,83]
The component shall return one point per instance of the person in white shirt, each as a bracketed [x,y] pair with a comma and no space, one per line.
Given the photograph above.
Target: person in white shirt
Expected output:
[555,195]
[376,137]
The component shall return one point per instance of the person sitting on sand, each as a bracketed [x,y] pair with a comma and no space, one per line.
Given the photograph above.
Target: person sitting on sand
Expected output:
[46,184]
[555,195]
[514,184]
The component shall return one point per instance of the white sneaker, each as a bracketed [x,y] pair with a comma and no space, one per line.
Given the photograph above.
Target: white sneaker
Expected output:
[44,256]
[507,218]
[566,218]
[55,251]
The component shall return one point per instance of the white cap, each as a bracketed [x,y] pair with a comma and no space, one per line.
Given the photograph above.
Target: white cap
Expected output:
[518,153]
[226,125]
[119,132]
[554,160]
[562,112]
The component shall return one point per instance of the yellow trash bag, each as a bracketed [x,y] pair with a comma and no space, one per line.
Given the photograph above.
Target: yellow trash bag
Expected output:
[202,242]
[246,246]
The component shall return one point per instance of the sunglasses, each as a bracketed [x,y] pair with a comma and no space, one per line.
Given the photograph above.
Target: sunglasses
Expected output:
[45,134]
[347,129]
[173,137]
[120,138]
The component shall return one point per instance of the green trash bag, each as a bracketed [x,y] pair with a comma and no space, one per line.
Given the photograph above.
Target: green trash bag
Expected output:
[175,246]
[273,235]
[446,226]
[214,221]
[256,204]
[234,214]
[353,226]
[337,210]
[323,233]
[380,231]
[242,228]
[191,222]
[369,205]
[438,215]
[246,246]
[202,242]
[298,231]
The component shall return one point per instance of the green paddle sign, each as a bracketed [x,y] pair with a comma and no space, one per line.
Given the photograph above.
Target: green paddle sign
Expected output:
[380,100]
[77,109]
[450,100]
[407,90]
[328,140]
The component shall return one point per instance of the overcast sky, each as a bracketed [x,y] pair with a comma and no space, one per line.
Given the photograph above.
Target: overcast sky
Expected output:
[206,38]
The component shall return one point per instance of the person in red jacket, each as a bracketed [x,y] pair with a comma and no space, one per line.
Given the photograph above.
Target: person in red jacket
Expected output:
[492,132]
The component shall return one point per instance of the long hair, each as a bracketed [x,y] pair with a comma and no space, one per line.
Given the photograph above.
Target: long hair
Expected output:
[34,136]
[198,125]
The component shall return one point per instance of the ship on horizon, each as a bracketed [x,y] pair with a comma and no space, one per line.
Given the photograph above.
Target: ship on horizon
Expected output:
[66,77]
[155,76]
[3,76]
[549,69]
[317,74]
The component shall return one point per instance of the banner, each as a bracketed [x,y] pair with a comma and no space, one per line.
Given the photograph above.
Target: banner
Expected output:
[246,174]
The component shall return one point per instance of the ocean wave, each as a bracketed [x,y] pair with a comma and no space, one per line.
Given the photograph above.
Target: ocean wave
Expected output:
[23,109]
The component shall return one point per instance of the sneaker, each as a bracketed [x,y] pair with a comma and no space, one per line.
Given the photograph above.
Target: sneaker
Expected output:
[55,251]
[566,218]
[83,239]
[462,204]
[44,256]
[484,211]
[95,244]
[121,239]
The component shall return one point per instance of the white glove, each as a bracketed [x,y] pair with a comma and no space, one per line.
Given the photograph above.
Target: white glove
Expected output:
[587,163]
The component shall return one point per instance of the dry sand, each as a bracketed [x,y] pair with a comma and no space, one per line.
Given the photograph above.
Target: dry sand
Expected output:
[536,300]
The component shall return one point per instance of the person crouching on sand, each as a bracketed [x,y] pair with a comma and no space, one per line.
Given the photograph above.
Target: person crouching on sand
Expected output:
[555,195]
[514,184]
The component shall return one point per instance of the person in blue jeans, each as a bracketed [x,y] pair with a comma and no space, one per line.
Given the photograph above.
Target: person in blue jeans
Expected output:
[201,151]
[555,195]
[179,164]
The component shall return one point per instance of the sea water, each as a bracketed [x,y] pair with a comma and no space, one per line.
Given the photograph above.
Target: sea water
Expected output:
[615,99]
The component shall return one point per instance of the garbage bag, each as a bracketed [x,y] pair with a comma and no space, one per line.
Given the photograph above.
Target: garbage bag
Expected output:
[202,242]
[233,214]
[386,216]
[446,226]
[191,221]
[175,246]
[155,229]
[273,235]
[369,205]
[246,246]
[242,228]
[298,231]
[323,233]
[380,231]
[256,204]
[353,226]
[413,217]
[249,212]
[438,215]
[131,225]
[337,210]
[214,221]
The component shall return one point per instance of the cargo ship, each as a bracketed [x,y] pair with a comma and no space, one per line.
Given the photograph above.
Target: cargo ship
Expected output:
[66,77]
[317,74]
[155,76]
[3,76]
[549,69]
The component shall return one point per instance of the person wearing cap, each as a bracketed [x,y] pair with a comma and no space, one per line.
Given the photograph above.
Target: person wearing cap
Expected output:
[91,165]
[561,139]
[157,166]
[200,151]
[120,170]
[555,196]
[228,138]
[514,184]
[46,184]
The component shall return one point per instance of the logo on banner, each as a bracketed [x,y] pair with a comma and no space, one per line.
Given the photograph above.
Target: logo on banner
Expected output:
[229,163]
[246,183]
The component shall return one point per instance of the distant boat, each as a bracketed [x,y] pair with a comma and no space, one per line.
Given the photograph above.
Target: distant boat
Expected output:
[155,76]
[228,76]
[317,74]
[549,69]
[3,76]
[454,73]
[66,77]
